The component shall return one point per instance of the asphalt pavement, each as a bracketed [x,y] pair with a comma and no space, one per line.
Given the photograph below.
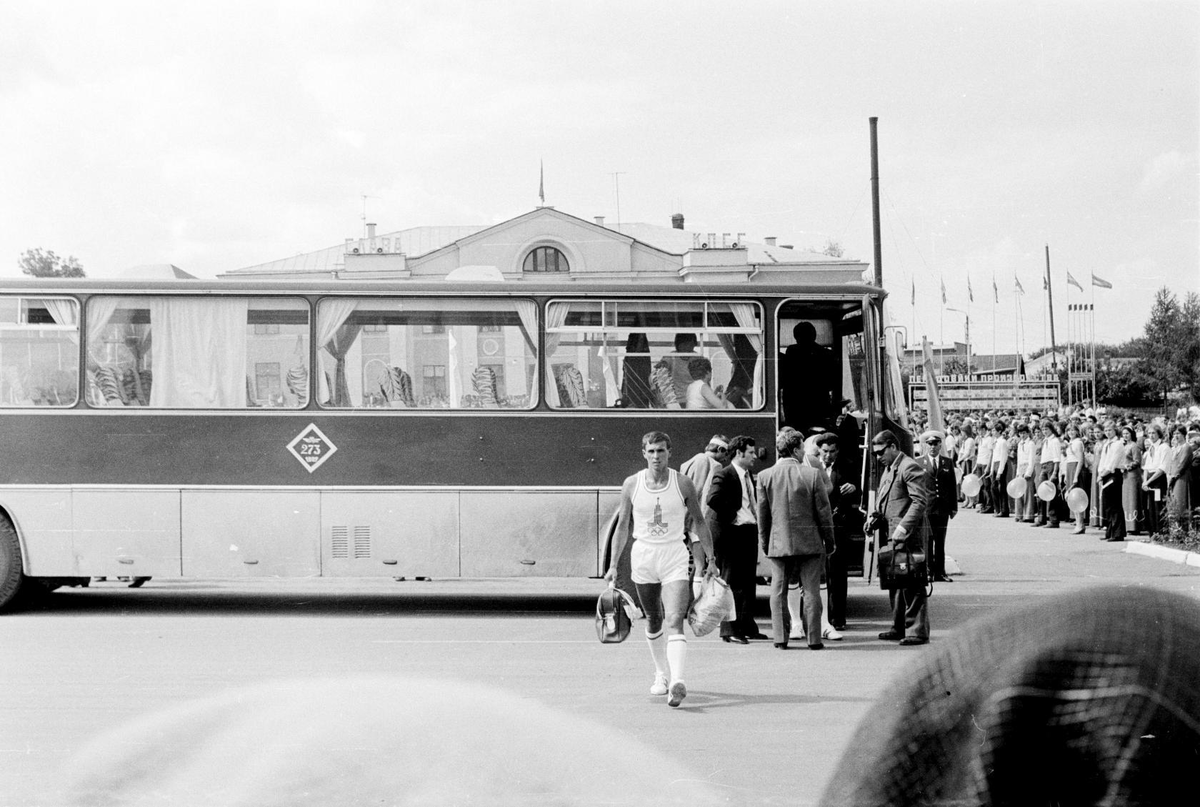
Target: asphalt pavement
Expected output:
[759,726]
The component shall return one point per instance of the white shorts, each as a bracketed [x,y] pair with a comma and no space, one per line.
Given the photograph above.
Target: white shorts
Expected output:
[659,563]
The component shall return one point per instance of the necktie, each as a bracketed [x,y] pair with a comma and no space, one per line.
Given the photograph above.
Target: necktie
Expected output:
[749,492]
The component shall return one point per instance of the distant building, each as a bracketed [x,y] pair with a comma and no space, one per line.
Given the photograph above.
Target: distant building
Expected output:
[1001,364]
[913,358]
[548,244]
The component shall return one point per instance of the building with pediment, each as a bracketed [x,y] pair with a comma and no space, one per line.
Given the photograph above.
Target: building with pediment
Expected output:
[549,245]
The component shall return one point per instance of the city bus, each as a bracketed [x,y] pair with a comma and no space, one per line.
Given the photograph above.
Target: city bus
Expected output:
[234,429]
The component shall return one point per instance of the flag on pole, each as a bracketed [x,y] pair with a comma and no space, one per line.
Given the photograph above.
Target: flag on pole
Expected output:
[995,289]
[943,291]
[1096,281]
[914,292]
[970,293]
[1045,283]
[1073,282]
[1020,288]
[931,387]
[542,181]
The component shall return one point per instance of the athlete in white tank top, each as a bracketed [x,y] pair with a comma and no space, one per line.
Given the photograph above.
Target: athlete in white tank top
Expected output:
[658,515]
[656,518]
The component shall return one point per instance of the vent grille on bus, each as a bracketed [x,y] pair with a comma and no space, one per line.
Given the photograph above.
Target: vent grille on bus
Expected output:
[344,544]
[362,542]
[340,542]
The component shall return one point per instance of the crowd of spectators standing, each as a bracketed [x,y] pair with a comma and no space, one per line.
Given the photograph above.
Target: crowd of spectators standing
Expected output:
[1141,475]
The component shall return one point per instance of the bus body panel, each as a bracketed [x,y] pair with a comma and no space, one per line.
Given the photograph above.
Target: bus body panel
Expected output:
[127,532]
[528,533]
[45,524]
[385,449]
[251,533]
[372,533]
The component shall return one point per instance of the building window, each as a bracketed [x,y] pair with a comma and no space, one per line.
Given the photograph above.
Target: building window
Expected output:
[546,259]
[268,382]
[433,377]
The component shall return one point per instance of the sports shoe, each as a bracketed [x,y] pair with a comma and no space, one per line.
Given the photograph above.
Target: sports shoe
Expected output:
[659,687]
[831,633]
[678,693]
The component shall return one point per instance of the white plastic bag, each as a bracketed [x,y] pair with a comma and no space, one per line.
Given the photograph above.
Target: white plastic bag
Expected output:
[712,606]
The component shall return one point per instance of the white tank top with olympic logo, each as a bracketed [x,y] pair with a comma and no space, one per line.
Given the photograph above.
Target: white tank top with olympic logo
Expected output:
[659,516]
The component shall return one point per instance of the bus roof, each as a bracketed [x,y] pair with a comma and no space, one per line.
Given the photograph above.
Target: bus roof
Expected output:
[51,286]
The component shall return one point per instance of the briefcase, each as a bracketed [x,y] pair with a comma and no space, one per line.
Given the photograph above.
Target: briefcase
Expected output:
[904,568]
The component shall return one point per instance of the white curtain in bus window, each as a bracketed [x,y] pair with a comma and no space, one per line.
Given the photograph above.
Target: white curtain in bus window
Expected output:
[427,353]
[642,354]
[197,353]
[39,351]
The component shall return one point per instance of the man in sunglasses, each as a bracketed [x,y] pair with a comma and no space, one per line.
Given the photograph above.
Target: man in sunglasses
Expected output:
[902,511]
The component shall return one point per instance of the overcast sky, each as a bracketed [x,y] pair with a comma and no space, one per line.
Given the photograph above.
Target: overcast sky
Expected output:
[217,136]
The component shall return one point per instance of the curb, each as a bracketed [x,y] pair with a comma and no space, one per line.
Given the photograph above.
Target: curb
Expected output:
[1163,553]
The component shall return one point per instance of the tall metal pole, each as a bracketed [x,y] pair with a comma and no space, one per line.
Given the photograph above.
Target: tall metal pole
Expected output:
[1050,299]
[875,202]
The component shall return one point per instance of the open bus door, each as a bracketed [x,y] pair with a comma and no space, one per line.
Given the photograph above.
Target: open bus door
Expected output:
[839,379]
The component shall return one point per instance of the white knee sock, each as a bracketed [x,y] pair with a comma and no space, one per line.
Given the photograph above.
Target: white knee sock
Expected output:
[676,655]
[658,652]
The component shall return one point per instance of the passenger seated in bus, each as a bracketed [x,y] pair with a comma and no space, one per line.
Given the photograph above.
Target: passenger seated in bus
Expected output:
[742,378]
[663,386]
[807,379]
[685,351]
[635,382]
[700,395]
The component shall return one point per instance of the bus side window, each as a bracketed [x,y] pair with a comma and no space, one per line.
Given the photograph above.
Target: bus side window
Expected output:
[426,353]
[177,352]
[39,351]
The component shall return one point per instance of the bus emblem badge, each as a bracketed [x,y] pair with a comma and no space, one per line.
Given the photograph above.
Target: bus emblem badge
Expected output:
[312,447]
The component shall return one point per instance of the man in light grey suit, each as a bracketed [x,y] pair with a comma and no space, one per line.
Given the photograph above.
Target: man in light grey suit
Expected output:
[795,529]
[902,511]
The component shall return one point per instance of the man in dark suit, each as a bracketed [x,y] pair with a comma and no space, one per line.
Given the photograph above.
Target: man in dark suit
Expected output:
[733,521]
[844,496]
[943,500]
[902,509]
[795,530]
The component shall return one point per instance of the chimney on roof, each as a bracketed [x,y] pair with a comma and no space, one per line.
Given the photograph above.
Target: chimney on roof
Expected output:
[600,220]
[371,230]
[770,240]
[677,221]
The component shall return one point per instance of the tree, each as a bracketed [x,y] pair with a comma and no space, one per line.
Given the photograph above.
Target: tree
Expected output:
[833,249]
[1164,333]
[37,263]
[1189,350]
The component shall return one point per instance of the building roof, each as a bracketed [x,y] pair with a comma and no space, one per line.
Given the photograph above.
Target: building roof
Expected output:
[416,242]
[157,271]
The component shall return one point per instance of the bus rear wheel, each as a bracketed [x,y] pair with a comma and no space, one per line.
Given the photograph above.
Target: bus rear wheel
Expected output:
[12,578]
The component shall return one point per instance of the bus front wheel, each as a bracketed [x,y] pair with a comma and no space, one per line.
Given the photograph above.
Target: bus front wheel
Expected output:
[11,576]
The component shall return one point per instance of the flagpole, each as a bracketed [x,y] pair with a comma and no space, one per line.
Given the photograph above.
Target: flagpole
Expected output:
[1092,351]
[1072,350]
[942,332]
[995,293]
[1050,301]
[914,307]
